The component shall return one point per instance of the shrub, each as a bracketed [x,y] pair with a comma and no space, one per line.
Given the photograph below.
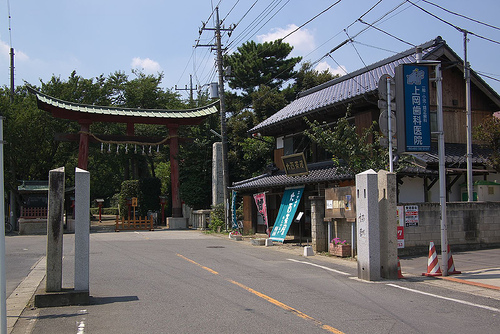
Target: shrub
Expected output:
[217,217]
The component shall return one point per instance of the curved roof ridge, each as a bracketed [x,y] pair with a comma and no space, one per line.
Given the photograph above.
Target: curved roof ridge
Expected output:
[123,111]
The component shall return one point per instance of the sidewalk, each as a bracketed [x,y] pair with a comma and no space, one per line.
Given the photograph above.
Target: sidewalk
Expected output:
[479,268]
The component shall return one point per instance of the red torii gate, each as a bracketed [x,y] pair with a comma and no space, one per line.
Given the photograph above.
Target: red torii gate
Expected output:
[85,115]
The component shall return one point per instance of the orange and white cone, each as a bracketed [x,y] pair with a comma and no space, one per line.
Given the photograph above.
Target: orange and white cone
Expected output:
[400,274]
[433,268]
[451,265]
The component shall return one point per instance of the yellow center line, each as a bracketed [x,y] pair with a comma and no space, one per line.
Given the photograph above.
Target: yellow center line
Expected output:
[199,265]
[271,300]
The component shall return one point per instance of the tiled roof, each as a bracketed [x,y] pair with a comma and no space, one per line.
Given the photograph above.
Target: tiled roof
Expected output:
[128,112]
[347,87]
[326,171]
[455,155]
[318,173]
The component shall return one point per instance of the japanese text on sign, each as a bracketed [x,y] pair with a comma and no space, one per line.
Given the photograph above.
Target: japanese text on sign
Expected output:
[411,215]
[416,87]
[295,164]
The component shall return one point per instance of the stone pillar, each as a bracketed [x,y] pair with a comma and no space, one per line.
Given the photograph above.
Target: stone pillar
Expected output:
[82,229]
[174,172]
[388,225]
[319,229]
[55,230]
[217,177]
[368,230]
[83,147]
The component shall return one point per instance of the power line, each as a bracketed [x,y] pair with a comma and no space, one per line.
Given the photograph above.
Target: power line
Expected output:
[385,32]
[310,20]
[460,15]
[452,25]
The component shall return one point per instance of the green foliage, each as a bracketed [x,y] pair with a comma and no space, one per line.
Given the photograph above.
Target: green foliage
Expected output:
[307,77]
[130,188]
[162,171]
[149,190]
[352,153]
[195,164]
[104,211]
[217,218]
[489,133]
[256,64]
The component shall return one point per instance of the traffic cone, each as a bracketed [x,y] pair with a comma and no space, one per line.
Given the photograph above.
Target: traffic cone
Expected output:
[451,265]
[400,274]
[433,268]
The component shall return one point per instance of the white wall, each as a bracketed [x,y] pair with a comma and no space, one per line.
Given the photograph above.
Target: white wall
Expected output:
[412,190]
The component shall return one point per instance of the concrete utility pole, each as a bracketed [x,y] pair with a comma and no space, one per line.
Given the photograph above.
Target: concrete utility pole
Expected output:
[470,181]
[225,169]
[190,89]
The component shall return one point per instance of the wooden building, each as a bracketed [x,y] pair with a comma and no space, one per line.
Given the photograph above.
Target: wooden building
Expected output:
[359,89]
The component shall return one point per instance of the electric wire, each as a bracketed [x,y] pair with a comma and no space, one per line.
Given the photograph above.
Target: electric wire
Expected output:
[460,15]
[385,32]
[10,26]
[453,25]
[256,22]
[312,19]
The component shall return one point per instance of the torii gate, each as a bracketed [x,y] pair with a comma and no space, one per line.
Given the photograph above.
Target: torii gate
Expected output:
[85,115]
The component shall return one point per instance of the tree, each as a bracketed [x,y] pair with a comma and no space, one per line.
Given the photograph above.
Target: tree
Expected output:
[256,64]
[307,77]
[351,153]
[489,133]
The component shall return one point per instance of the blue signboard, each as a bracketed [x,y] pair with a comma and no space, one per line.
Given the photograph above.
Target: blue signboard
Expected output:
[416,106]
[288,207]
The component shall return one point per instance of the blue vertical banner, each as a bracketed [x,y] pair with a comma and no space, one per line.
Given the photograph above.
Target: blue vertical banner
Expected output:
[233,211]
[288,207]
[416,106]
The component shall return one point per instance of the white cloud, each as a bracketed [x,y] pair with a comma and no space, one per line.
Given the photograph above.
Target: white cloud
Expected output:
[325,66]
[302,40]
[146,65]
[5,52]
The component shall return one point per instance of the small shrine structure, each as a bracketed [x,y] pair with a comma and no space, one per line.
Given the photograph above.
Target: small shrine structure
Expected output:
[85,115]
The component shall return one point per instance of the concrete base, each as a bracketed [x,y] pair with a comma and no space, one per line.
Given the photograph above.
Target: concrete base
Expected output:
[177,223]
[36,226]
[308,251]
[269,242]
[258,242]
[66,297]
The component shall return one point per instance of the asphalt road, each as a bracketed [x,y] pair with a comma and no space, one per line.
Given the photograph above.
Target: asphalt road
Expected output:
[188,282]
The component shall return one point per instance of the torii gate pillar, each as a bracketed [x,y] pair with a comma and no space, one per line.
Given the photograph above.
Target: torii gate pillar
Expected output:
[174,171]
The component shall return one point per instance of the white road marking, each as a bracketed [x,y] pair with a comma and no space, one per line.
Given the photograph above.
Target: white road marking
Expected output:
[319,266]
[447,298]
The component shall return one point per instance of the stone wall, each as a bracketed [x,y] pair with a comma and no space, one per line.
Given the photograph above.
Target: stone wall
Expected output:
[470,225]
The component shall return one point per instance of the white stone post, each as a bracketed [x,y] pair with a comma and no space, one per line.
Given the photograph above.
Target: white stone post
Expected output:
[368,231]
[55,230]
[217,184]
[82,229]
[388,225]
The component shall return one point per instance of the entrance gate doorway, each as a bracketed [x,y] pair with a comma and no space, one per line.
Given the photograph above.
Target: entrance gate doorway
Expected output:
[85,115]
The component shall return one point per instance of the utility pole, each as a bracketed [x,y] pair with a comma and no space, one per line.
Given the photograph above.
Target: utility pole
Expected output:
[470,181]
[190,89]
[225,169]
[11,75]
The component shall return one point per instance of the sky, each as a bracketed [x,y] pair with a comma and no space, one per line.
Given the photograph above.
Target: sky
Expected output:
[100,37]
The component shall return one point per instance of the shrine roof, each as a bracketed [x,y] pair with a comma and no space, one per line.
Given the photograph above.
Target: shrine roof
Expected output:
[76,111]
